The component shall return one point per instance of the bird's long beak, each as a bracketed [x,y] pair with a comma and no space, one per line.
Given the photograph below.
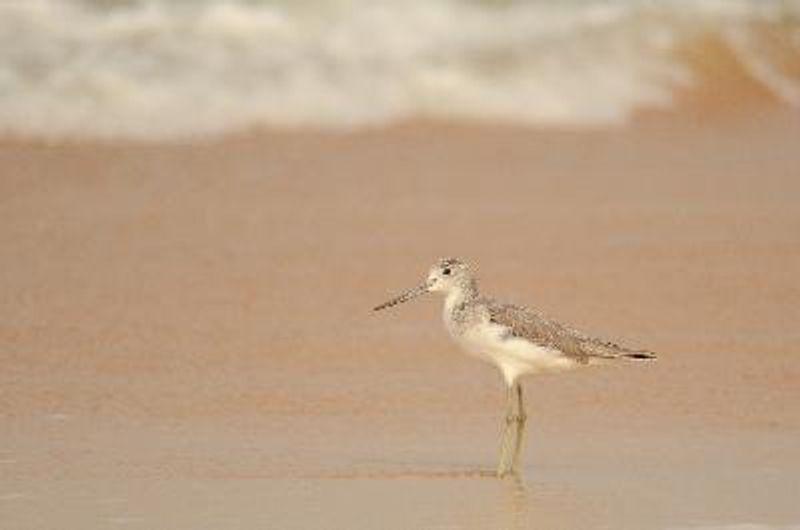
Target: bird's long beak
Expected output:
[405,297]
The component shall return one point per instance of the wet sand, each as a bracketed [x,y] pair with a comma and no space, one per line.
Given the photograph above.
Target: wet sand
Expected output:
[187,342]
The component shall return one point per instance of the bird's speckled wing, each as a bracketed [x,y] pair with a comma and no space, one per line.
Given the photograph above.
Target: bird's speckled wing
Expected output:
[528,324]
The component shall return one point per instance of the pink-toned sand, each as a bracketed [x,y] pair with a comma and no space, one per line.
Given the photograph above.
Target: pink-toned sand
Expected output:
[186,338]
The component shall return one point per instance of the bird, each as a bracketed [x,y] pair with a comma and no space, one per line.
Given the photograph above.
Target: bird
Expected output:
[517,339]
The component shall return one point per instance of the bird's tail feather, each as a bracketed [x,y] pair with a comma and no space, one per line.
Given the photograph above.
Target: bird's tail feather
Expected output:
[640,355]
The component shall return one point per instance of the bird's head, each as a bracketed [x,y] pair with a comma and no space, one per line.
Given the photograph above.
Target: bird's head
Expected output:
[446,275]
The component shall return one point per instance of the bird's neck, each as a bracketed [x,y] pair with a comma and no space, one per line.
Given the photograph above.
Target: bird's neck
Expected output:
[461,294]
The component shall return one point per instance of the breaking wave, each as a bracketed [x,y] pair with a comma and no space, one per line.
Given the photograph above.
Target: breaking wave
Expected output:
[153,69]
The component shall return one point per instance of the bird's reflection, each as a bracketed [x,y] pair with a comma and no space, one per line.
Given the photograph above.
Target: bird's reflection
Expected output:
[515,503]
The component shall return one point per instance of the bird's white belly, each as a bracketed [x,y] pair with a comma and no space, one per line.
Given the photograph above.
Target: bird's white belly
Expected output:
[514,356]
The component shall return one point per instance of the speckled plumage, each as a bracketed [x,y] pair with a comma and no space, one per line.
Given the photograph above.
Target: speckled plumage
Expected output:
[535,327]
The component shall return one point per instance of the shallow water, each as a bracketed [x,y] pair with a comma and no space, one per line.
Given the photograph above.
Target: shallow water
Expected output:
[669,481]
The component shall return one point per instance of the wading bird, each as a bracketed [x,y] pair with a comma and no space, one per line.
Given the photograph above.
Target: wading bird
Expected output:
[517,339]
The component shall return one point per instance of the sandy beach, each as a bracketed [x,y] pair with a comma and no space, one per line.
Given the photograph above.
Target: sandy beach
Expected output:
[187,342]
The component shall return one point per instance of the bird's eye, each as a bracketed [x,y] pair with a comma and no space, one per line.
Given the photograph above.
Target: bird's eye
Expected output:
[446,271]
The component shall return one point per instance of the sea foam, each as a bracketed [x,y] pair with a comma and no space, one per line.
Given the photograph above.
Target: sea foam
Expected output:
[166,69]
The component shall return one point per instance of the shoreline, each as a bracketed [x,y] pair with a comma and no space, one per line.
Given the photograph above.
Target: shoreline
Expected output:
[702,108]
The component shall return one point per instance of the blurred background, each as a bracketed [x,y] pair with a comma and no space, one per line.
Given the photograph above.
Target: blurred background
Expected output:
[151,69]
[201,201]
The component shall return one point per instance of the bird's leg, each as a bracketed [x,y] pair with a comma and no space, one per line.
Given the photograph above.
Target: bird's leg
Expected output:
[521,418]
[507,449]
